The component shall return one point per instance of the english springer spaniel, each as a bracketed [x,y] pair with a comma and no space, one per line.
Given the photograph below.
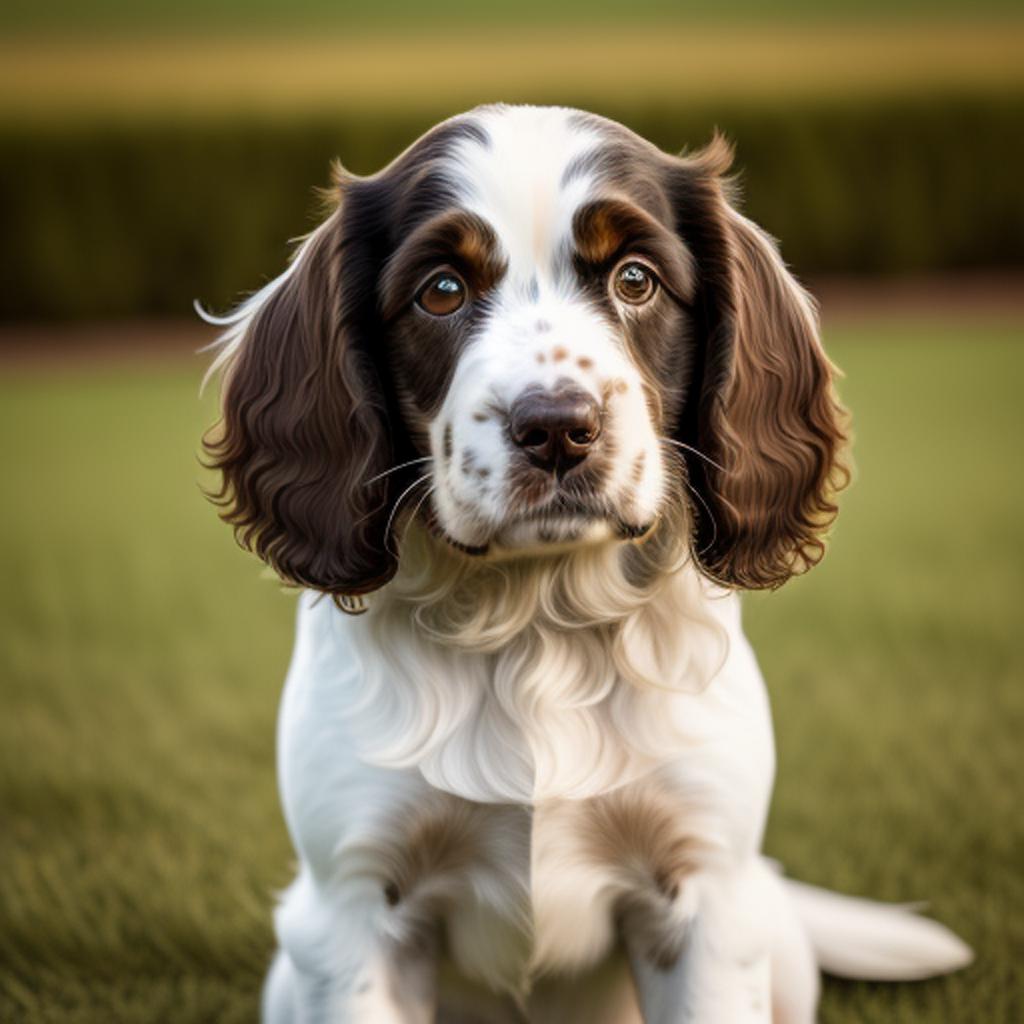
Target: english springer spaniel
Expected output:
[539,401]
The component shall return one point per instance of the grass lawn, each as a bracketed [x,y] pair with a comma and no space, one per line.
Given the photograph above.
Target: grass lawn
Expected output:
[141,657]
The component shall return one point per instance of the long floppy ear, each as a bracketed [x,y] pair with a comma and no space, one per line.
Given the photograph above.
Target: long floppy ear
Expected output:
[761,405]
[304,431]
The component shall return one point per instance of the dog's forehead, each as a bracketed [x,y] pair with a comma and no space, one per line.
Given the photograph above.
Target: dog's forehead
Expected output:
[526,173]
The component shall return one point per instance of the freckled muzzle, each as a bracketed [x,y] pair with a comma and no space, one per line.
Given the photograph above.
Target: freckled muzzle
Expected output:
[555,429]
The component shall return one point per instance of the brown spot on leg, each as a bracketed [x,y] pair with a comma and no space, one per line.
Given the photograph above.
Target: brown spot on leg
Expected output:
[645,826]
[584,362]
[559,354]
[541,358]
[440,838]
[480,417]
[621,387]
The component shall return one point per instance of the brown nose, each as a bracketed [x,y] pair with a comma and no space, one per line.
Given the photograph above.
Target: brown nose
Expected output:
[555,429]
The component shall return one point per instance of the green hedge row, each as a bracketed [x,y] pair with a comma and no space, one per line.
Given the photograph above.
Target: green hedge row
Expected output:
[126,218]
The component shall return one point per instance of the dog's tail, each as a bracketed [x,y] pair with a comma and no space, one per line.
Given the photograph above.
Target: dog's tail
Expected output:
[855,938]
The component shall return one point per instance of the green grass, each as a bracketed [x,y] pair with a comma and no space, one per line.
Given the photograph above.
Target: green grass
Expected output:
[141,656]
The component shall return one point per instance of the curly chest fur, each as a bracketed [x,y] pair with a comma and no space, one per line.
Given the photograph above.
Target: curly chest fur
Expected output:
[519,802]
[534,680]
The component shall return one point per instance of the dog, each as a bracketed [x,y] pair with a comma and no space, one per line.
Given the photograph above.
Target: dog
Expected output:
[521,417]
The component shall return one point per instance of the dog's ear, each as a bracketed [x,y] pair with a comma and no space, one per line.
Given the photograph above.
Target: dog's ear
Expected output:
[761,406]
[304,430]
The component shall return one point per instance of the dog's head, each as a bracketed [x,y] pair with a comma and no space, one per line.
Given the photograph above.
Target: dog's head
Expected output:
[532,330]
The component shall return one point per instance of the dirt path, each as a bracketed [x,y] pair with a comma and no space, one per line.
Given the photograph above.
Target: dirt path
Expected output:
[966,296]
[843,301]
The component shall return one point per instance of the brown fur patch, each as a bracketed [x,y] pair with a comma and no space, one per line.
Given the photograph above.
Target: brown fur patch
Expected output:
[438,841]
[303,431]
[425,349]
[643,825]
[312,413]
[771,420]
[760,406]
[641,829]
[608,229]
[454,237]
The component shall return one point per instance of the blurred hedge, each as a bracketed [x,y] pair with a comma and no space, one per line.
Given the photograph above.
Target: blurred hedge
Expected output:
[137,218]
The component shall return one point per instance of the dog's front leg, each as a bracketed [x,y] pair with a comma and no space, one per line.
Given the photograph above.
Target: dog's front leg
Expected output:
[345,965]
[720,970]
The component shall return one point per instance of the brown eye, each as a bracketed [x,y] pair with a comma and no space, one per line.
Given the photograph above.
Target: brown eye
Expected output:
[443,294]
[634,283]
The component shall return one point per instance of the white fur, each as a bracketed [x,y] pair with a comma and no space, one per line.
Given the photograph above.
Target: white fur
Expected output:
[856,938]
[518,189]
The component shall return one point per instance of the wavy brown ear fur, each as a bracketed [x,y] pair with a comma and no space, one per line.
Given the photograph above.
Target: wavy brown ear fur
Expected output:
[762,404]
[304,430]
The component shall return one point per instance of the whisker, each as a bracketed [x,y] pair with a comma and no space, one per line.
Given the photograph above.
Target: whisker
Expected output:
[419,504]
[699,454]
[693,490]
[397,505]
[395,469]
[714,526]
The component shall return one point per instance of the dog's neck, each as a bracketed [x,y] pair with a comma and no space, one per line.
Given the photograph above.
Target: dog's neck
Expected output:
[538,678]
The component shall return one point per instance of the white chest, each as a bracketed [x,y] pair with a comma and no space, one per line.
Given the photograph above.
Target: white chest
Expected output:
[423,775]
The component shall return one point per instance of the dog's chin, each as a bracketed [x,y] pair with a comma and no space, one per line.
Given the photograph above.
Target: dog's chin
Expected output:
[546,535]
[550,535]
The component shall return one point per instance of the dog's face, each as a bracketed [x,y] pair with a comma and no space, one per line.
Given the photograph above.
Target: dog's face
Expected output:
[538,329]
[532,330]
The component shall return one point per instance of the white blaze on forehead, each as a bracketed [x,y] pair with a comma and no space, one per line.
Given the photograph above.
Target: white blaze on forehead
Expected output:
[516,183]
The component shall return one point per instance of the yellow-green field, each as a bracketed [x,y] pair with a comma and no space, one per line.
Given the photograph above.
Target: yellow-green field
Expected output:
[423,68]
[141,657]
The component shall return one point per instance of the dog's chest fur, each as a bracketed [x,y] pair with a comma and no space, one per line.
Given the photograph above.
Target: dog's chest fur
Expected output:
[526,795]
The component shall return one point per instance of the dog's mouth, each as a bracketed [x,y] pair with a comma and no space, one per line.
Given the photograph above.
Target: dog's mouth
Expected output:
[561,523]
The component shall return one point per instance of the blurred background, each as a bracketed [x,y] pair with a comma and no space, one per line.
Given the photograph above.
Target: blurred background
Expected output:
[155,153]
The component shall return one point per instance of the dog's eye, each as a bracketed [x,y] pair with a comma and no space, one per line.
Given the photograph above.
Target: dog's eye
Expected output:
[634,283]
[443,294]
